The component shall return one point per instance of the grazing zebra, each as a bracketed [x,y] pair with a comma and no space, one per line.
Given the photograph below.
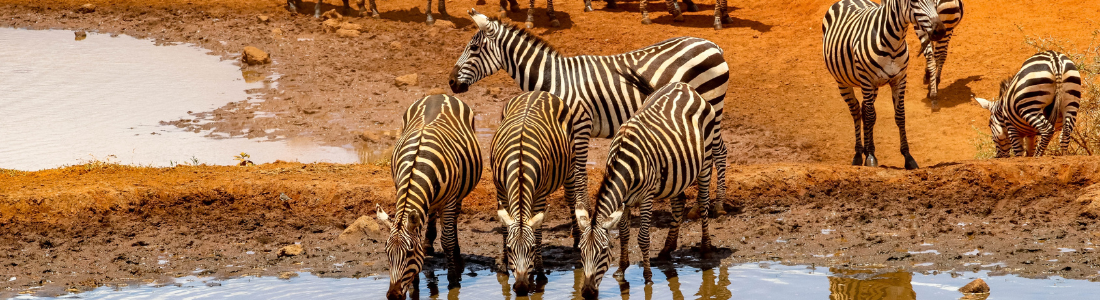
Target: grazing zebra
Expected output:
[1040,100]
[864,47]
[436,163]
[530,23]
[721,12]
[541,143]
[292,6]
[656,155]
[601,83]
[935,51]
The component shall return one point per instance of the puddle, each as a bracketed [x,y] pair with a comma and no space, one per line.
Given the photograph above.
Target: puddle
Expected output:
[69,101]
[746,281]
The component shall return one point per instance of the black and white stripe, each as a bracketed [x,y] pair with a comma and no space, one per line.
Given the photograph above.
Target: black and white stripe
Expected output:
[530,23]
[935,51]
[1041,99]
[542,142]
[721,12]
[657,154]
[864,46]
[436,163]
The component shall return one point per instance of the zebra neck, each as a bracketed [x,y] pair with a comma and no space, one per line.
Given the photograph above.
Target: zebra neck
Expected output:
[896,15]
[530,62]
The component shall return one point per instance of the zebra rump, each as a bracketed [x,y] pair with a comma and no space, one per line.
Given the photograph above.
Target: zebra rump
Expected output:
[1041,99]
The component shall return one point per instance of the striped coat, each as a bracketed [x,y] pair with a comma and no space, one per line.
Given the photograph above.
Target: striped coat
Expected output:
[436,163]
[1040,100]
[864,47]
[935,51]
[541,144]
[657,154]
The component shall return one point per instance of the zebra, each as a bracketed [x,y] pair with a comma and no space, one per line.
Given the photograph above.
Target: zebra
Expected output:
[436,163]
[530,23]
[542,142]
[864,46]
[721,11]
[1041,99]
[600,83]
[935,51]
[292,6]
[657,154]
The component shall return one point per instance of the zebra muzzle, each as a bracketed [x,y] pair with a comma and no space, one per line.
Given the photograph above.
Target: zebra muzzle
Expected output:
[456,86]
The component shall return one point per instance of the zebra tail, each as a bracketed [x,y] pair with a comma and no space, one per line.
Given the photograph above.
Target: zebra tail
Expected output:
[638,82]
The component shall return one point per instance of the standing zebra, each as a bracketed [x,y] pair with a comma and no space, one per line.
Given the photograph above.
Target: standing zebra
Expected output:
[292,6]
[935,51]
[601,83]
[864,46]
[656,155]
[541,143]
[1040,100]
[721,11]
[530,23]
[436,163]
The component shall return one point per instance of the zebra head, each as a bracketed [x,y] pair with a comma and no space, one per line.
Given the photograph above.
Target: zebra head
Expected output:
[482,57]
[595,247]
[404,250]
[996,126]
[925,13]
[520,248]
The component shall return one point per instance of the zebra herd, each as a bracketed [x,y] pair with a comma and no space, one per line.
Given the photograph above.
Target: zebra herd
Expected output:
[664,139]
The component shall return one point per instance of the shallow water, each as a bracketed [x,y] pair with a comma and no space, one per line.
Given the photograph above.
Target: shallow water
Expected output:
[65,101]
[746,281]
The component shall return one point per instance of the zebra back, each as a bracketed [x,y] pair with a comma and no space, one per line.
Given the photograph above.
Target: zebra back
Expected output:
[1040,99]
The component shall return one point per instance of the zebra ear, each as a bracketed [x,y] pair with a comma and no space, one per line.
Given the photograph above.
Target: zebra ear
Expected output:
[536,221]
[986,104]
[383,218]
[481,20]
[505,217]
[613,219]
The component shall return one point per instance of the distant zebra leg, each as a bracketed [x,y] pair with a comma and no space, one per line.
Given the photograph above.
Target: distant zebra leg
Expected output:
[612,5]
[849,96]
[373,9]
[721,14]
[428,12]
[347,8]
[932,71]
[928,51]
[362,7]
[869,117]
[1067,134]
[550,12]
[641,6]
[720,166]
[645,211]
[509,5]
[292,6]
[674,10]
[443,10]
[530,15]
[941,57]
[587,5]
[624,243]
[317,9]
[672,240]
[898,89]
[703,199]
[450,242]
[690,6]
[429,237]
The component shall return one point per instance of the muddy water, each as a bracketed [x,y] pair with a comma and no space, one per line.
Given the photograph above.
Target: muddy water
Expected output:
[65,101]
[747,281]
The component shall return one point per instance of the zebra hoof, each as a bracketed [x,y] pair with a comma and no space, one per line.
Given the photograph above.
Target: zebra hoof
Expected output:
[555,23]
[871,161]
[430,21]
[646,21]
[910,163]
[717,26]
[678,18]
[664,256]
[692,7]
[374,14]
[727,20]
[858,160]
[587,9]
[529,25]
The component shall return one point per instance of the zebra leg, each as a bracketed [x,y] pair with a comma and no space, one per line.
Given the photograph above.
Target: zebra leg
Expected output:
[513,6]
[539,274]
[926,49]
[672,240]
[317,9]
[291,6]
[869,96]
[898,89]
[720,154]
[550,12]
[941,57]
[530,16]
[704,200]
[932,72]
[428,11]
[849,96]
[721,14]
[612,5]
[690,6]
[347,8]
[362,7]
[373,9]
[1067,133]
[443,10]
[429,237]
[450,242]
[624,243]
[1046,131]
[575,187]
[641,6]
[587,5]
[674,10]
[1017,143]
[646,214]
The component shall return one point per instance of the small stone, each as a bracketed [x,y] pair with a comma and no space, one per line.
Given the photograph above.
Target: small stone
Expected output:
[277,31]
[395,45]
[347,33]
[406,80]
[977,286]
[291,250]
[330,15]
[331,25]
[255,56]
[358,230]
[437,91]
[444,24]
[81,35]
[263,18]
[287,275]
[494,91]
[86,8]
[351,26]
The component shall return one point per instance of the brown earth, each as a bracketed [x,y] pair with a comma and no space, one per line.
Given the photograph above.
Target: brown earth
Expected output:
[790,135]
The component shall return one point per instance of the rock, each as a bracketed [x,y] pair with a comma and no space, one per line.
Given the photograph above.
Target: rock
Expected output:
[977,286]
[86,8]
[330,15]
[291,250]
[331,25]
[263,18]
[406,80]
[1090,200]
[347,33]
[255,56]
[351,26]
[277,31]
[81,35]
[287,275]
[444,24]
[395,45]
[437,91]
[494,91]
[363,227]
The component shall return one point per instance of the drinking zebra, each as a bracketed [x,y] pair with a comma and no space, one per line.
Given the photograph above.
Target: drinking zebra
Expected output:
[656,155]
[935,51]
[864,46]
[600,83]
[292,6]
[721,12]
[530,23]
[1040,100]
[541,143]
[436,163]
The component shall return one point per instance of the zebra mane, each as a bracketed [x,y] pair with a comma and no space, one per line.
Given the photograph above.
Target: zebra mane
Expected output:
[527,35]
